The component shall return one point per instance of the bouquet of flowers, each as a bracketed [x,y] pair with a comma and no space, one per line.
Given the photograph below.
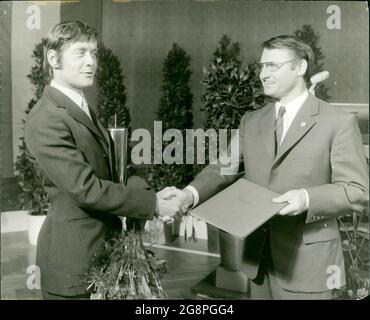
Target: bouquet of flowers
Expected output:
[126,269]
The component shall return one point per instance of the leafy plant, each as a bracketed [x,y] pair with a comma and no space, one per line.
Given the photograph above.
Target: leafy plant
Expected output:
[33,195]
[308,35]
[112,97]
[231,89]
[355,242]
[175,111]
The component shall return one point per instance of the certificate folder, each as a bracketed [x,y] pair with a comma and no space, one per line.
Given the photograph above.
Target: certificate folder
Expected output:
[239,209]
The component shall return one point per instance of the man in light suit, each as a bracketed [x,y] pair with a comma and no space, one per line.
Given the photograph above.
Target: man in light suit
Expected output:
[76,156]
[309,152]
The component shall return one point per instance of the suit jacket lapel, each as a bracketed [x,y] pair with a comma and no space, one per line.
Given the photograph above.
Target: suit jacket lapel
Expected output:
[267,130]
[102,131]
[302,123]
[73,110]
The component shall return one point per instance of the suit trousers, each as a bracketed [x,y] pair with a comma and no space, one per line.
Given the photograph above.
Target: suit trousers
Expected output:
[266,286]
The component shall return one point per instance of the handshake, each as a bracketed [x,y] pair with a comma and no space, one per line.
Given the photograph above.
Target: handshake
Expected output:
[173,203]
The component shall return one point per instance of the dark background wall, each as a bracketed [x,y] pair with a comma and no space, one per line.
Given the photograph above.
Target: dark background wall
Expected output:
[90,12]
[142,33]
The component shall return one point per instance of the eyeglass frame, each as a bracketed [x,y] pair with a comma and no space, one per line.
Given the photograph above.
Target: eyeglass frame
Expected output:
[260,65]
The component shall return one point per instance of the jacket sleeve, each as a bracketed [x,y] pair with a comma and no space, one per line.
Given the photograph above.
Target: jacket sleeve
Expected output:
[348,191]
[215,177]
[51,143]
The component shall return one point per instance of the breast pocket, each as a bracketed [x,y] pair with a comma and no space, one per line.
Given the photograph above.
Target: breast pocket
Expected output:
[297,154]
[292,174]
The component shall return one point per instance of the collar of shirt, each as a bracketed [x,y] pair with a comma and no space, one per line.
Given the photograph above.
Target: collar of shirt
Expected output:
[291,110]
[73,95]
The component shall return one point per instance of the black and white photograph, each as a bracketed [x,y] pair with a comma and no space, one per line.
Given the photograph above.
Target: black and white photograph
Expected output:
[202,151]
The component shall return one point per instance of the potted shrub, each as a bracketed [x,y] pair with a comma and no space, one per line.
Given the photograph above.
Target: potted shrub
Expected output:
[231,90]
[33,197]
[174,111]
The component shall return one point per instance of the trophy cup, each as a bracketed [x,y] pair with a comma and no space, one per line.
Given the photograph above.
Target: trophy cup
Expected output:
[119,137]
[120,141]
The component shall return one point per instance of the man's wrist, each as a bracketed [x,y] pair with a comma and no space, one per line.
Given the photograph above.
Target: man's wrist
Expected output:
[307,199]
[194,195]
[156,211]
[189,200]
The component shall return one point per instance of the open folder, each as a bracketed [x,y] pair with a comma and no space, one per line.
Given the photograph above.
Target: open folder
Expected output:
[239,209]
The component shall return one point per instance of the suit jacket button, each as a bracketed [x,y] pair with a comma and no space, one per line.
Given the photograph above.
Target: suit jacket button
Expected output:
[325,225]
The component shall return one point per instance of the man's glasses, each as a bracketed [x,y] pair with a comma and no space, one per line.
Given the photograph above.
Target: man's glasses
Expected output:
[271,66]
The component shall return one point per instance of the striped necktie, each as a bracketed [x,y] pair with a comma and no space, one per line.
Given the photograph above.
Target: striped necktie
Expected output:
[85,106]
[279,125]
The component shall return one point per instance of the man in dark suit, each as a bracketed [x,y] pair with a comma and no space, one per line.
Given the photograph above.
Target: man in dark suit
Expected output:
[76,156]
[309,152]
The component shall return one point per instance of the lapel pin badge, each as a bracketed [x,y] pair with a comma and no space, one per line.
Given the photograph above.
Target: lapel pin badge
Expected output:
[303,124]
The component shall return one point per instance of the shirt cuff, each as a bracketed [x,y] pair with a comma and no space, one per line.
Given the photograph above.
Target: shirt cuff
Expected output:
[195,195]
[307,198]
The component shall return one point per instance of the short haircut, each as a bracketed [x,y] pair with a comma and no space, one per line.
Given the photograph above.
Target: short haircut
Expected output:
[301,49]
[64,34]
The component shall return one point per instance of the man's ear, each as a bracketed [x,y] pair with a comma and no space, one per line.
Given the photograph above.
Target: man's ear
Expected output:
[302,67]
[53,59]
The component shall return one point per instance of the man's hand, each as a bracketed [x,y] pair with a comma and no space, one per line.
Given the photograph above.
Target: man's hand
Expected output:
[168,209]
[166,193]
[185,197]
[296,200]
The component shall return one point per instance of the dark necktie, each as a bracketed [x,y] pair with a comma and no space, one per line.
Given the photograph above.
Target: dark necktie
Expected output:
[279,125]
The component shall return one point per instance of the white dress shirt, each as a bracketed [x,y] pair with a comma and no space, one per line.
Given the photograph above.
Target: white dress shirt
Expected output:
[76,97]
[291,110]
